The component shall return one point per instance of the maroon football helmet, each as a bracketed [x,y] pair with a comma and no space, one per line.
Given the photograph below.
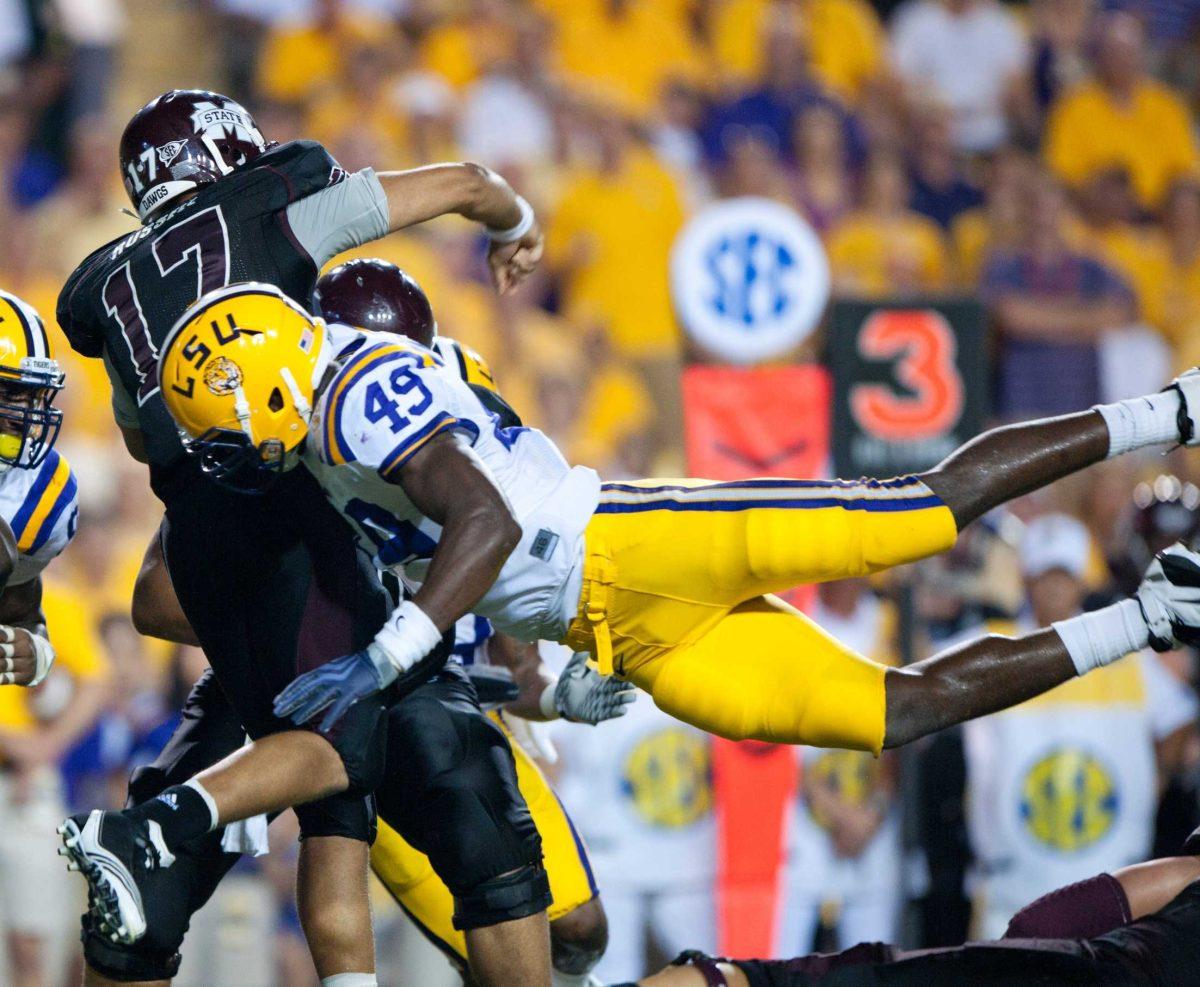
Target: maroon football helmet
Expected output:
[183,139]
[375,295]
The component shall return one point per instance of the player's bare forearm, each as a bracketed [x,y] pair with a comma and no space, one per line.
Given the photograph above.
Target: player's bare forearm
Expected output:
[449,485]
[156,610]
[461,188]
[21,606]
[972,680]
[8,553]
[529,672]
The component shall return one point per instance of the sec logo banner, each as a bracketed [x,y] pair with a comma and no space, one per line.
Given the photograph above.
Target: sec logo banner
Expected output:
[749,279]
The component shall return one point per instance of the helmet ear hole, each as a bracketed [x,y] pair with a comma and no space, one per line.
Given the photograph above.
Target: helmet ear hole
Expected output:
[275,401]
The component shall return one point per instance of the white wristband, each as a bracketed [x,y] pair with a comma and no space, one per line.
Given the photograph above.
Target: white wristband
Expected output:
[407,637]
[514,233]
[1103,636]
[546,704]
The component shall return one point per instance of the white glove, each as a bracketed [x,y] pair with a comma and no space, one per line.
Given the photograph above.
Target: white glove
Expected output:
[1170,598]
[1188,386]
[583,695]
[22,654]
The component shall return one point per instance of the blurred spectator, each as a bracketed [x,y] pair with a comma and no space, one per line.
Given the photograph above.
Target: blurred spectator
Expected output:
[85,211]
[1058,32]
[94,29]
[608,241]
[506,117]
[940,189]
[965,55]
[845,857]
[1066,785]
[884,248]
[1050,305]
[1110,230]
[996,226]
[1122,118]
[1181,226]
[623,53]
[37,729]
[768,110]
[754,167]
[470,38]
[843,37]
[824,181]
[640,791]
[244,25]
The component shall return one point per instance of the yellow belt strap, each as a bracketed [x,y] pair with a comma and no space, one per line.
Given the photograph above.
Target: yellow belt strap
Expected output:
[599,573]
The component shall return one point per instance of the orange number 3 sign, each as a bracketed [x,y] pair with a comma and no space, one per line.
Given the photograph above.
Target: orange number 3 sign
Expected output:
[924,349]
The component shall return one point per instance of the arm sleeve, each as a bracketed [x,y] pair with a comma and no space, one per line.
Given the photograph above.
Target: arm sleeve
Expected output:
[344,215]
[123,405]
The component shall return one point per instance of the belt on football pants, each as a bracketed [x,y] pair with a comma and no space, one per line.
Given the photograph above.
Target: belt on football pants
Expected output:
[599,572]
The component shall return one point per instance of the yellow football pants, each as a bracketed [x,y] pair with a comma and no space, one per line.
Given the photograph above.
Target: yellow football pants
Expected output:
[410,879]
[675,598]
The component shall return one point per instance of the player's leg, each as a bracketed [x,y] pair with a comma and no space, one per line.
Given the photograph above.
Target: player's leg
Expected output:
[451,791]
[1007,462]
[764,671]
[334,908]
[578,924]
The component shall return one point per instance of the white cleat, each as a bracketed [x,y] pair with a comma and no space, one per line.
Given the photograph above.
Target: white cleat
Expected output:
[108,849]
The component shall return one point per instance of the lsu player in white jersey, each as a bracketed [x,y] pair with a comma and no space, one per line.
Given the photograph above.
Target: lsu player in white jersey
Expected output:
[38,507]
[38,491]
[668,583]
[379,296]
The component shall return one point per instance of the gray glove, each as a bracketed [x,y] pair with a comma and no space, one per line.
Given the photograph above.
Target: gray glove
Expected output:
[1170,598]
[583,695]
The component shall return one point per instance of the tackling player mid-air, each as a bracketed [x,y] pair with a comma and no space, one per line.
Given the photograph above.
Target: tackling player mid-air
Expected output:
[273,584]
[667,583]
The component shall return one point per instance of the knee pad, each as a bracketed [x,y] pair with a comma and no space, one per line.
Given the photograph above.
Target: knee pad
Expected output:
[339,815]
[512,896]
[579,938]
[126,963]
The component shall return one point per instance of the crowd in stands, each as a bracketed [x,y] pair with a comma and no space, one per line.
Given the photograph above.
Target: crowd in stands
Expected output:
[1039,156]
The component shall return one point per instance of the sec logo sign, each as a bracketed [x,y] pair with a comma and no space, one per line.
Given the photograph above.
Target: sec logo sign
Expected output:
[749,279]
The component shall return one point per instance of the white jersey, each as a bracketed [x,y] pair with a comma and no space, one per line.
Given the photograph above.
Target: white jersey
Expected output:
[388,398]
[1065,786]
[640,790]
[41,506]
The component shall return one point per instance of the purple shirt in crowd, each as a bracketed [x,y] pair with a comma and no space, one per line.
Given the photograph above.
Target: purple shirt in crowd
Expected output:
[1043,377]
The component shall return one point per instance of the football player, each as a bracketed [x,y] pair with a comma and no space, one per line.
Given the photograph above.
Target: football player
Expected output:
[667,583]
[379,296]
[37,520]
[274,583]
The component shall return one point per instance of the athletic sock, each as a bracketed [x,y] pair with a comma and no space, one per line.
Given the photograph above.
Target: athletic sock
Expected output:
[1102,636]
[1138,422]
[183,812]
[350,980]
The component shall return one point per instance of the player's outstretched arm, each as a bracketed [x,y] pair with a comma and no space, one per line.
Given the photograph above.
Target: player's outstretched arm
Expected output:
[448,484]
[475,193]
[996,672]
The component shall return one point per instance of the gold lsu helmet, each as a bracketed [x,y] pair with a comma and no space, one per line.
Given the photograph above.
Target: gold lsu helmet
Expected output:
[238,373]
[29,380]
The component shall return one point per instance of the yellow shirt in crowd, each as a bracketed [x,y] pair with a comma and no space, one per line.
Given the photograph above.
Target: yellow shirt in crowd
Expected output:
[616,229]
[1151,138]
[69,623]
[870,258]
[844,38]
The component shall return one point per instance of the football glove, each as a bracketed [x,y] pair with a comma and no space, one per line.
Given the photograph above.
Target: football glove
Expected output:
[337,684]
[583,695]
[1170,598]
[1188,386]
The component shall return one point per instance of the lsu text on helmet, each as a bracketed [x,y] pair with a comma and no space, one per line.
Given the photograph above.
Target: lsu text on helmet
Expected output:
[238,373]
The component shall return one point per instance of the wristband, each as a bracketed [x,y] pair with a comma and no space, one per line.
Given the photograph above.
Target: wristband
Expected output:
[407,637]
[43,652]
[546,705]
[514,233]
